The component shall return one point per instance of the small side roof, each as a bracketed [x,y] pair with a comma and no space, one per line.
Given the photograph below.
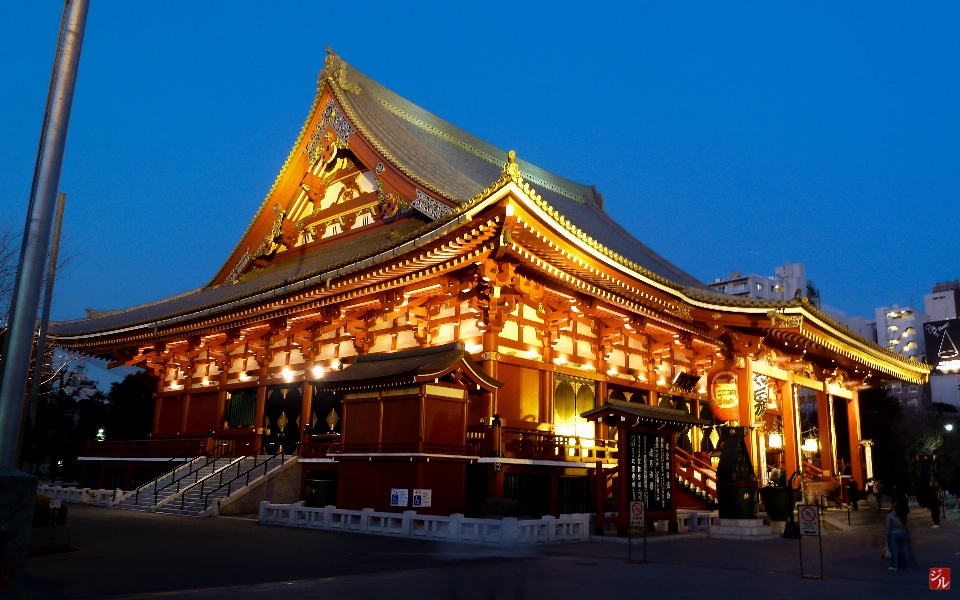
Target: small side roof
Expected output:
[407,367]
[643,414]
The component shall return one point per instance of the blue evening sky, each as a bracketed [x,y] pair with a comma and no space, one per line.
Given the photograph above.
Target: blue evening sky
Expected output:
[726,136]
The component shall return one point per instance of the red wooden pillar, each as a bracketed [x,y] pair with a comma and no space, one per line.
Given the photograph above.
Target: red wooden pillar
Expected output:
[547,384]
[258,414]
[623,510]
[184,411]
[306,408]
[853,438]
[157,403]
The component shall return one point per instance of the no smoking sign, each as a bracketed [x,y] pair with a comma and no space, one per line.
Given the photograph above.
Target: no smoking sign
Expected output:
[809,519]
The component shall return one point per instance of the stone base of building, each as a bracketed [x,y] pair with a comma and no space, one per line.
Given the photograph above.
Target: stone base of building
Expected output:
[742,529]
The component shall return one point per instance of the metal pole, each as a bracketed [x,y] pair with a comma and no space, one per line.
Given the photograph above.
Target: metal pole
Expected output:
[36,237]
[45,316]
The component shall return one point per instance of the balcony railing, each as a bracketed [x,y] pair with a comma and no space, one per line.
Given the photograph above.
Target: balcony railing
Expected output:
[179,448]
[541,445]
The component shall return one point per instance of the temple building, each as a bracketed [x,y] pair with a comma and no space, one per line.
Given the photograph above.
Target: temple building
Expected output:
[412,308]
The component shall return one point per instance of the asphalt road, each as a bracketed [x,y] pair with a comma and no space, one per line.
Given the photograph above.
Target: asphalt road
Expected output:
[125,554]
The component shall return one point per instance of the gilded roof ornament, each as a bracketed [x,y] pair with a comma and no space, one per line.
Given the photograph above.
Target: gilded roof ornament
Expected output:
[335,72]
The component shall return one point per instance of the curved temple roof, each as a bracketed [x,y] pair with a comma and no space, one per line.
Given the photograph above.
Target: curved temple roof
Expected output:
[436,154]
[456,166]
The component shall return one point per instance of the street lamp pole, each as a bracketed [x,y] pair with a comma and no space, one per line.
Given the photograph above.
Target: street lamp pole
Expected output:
[36,236]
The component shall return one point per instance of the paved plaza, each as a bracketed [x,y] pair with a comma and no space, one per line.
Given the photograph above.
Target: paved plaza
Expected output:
[125,554]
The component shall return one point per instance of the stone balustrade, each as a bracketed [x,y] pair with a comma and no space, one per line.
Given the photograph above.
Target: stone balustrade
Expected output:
[454,528]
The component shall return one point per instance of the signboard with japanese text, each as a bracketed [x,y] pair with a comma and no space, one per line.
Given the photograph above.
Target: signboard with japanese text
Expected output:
[422,498]
[648,465]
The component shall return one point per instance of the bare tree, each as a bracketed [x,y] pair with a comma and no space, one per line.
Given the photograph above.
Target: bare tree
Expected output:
[9,257]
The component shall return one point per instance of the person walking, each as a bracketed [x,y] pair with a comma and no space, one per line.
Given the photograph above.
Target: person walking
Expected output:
[897,535]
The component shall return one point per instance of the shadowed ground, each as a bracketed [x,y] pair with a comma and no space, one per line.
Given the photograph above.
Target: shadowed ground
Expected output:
[129,554]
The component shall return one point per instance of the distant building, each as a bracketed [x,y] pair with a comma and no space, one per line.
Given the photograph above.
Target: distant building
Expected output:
[862,327]
[942,341]
[944,301]
[782,286]
[900,330]
[788,281]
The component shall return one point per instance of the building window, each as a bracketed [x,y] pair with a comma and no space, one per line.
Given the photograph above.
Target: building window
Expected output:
[759,287]
[740,287]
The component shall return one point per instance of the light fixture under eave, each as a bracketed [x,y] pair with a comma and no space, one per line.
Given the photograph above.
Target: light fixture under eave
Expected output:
[244,376]
[317,371]
[287,374]
[775,441]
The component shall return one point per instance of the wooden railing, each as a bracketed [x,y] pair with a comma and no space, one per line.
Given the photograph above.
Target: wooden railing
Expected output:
[540,445]
[318,446]
[812,471]
[400,448]
[696,472]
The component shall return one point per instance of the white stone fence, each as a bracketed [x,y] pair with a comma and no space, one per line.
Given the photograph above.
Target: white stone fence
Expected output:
[455,528]
[81,495]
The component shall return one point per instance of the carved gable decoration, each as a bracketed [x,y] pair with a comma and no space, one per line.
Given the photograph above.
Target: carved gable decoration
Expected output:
[431,207]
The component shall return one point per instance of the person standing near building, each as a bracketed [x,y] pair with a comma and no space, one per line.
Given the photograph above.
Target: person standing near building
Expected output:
[897,536]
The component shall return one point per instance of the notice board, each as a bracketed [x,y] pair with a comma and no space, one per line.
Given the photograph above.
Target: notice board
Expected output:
[648,466]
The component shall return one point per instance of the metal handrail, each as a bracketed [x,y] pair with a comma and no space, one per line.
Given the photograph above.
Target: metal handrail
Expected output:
[185,462]
[206,498]
[211,456]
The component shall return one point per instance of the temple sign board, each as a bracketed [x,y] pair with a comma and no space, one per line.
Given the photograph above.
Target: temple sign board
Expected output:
[649,468]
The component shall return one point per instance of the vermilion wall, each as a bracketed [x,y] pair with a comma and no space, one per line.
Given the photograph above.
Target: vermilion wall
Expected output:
[202,414]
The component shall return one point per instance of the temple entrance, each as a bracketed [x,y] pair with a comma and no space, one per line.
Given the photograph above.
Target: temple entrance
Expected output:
[281,418]
[327,410]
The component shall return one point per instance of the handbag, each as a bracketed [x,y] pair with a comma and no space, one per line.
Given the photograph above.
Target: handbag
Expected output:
[885,553]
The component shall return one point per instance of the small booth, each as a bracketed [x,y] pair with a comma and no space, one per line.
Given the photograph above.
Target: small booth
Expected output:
[646,461]
[404,427]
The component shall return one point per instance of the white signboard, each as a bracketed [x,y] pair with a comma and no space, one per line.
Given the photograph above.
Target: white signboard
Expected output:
[399,497]
[55,503]
[637,513]
[809,519]
[422,498]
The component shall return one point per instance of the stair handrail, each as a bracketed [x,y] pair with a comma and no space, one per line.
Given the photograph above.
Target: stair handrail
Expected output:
[211,456]
[689,461]
[172,471]
[184,461]
[283,454]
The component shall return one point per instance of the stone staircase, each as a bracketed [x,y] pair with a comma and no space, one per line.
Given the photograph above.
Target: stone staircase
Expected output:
[147,497]
[200,499]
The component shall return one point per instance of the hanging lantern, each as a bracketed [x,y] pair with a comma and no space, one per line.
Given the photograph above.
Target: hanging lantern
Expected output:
[725,396]
[775,441]
[714,437]
[811,445]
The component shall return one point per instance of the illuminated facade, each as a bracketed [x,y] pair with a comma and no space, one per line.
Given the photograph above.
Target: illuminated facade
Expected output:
[412,307]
